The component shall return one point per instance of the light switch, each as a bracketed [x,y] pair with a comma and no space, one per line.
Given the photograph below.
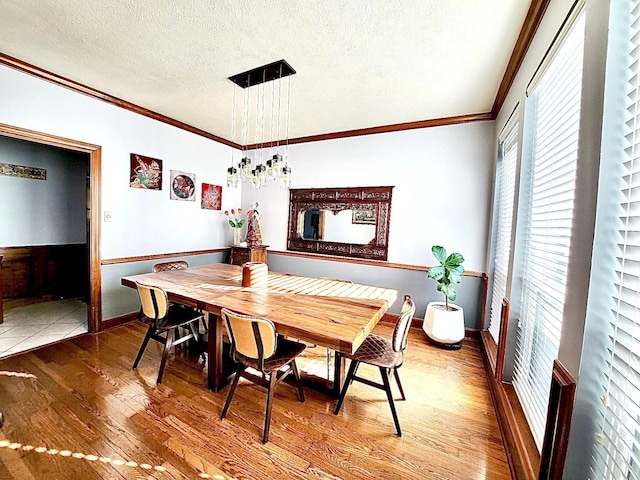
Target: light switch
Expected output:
[108,217]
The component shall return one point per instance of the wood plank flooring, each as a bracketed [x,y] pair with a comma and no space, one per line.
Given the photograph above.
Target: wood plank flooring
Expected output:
[76,410]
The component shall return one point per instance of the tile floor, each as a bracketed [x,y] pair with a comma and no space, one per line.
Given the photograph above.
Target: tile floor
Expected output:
[34,325]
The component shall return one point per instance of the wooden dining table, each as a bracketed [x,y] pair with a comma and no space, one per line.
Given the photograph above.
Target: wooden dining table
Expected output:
[325,312]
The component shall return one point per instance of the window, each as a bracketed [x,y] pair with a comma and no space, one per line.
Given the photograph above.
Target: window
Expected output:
[547,185]
[503,214]
[615,285]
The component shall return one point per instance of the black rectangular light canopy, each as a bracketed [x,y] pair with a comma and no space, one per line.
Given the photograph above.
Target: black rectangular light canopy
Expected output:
[266,73]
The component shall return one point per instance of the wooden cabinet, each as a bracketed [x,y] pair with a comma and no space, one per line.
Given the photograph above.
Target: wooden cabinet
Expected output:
[1,296]
[240,255]
[48,271]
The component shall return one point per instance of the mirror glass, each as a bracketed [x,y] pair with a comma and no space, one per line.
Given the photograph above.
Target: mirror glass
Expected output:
[351,222]
[346,226]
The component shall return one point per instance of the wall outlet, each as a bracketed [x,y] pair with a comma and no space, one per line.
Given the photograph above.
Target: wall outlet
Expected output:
[108,217]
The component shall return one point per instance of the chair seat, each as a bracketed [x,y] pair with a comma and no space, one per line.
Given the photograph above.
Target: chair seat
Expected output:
[387,355]
[287,350]
[164,318]
[255,344]
[376,350]
[178,316]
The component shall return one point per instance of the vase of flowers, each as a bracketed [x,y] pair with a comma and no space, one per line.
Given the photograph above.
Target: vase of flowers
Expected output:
[236,222]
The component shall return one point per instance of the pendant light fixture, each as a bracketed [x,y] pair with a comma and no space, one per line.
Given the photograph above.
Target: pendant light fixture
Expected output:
[286,170]
[276,166]
[232,171]
[244,167]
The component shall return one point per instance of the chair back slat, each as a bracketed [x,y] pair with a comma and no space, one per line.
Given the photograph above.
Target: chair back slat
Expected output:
[252,337]
[401,330]
[153,300]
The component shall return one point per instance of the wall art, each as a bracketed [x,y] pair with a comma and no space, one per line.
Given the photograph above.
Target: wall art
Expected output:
[23,171]
[211,197]
[183,186]
[146,172]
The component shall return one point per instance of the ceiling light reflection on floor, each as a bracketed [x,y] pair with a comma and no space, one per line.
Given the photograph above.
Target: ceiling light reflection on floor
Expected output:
[94,458]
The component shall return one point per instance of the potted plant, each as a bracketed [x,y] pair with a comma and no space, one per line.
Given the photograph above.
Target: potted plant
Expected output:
[443,321]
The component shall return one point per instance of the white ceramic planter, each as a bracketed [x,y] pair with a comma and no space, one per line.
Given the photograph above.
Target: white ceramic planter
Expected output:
[444,327]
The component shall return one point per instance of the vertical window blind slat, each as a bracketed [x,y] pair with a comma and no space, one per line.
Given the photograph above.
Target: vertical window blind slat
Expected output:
[547,209]
[505,193]
[617,446]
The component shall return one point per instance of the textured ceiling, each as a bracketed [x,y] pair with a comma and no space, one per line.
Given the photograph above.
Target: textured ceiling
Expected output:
[359,63]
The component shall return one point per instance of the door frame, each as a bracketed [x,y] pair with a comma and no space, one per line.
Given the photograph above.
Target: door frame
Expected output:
[94,310]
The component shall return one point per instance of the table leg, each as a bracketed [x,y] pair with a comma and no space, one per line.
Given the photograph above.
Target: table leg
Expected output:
[338,374]
[329,386]
[214,350]
[220,367]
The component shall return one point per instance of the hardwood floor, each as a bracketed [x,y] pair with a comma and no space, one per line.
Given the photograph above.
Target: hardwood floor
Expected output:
[76,410]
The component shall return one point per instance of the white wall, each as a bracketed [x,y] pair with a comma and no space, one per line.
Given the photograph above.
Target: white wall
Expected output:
[144,222]
[55,206]
[442,179]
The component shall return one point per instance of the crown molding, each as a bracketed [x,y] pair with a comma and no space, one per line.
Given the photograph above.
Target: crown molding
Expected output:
[527,32]
[56,79]
[530,26]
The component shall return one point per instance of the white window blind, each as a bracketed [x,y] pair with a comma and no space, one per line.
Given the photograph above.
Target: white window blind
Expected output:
[617,446]
[503,222]
[547,191]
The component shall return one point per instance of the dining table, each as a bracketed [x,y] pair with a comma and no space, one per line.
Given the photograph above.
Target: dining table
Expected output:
[326,312]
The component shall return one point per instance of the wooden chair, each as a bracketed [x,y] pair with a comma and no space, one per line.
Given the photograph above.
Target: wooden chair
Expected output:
[386,354]
[165,319]
[254,344]
[175,265]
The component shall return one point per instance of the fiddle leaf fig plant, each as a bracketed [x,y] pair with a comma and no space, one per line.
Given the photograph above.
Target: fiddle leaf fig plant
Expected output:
[448,273]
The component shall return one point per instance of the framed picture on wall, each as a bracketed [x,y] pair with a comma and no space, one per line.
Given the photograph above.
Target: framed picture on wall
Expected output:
[366,217]
[23,171]
[183,186]
[146,172]
[211,197]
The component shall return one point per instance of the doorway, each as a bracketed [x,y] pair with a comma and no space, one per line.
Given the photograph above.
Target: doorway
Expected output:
[93,195]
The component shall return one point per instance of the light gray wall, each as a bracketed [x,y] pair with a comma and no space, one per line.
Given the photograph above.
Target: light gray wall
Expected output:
[119,300]
[42,212]
[405,281]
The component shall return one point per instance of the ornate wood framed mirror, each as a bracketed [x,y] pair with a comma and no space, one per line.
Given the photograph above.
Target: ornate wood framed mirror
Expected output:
[350,222]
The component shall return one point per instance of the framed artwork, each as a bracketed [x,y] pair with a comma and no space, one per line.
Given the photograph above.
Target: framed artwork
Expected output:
[146,172]
[211,196]
[22,171]
[366,217]
[182,186]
